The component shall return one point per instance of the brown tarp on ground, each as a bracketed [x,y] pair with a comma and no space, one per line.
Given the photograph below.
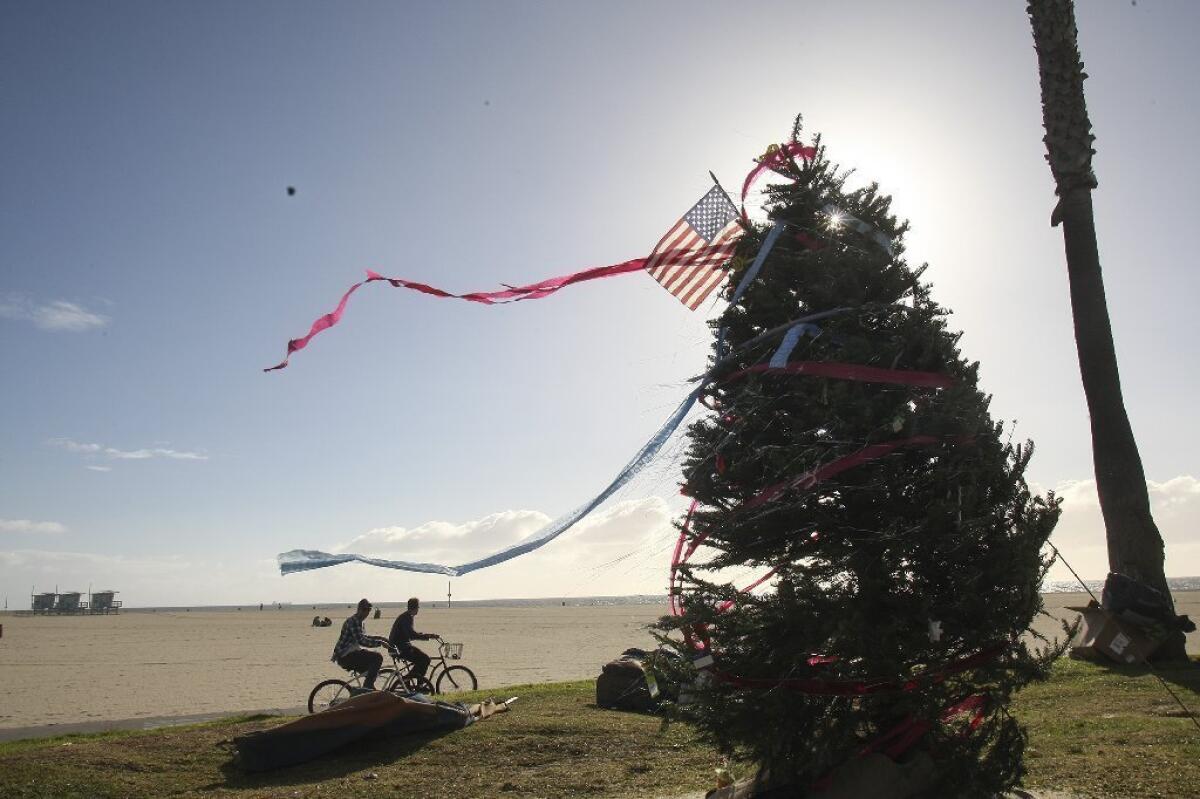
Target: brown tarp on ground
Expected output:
[378,713]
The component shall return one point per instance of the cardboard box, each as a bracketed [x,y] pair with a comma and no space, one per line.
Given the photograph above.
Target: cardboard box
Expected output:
[1107,636]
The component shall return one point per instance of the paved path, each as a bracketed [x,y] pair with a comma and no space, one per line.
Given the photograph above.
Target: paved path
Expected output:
[83,728]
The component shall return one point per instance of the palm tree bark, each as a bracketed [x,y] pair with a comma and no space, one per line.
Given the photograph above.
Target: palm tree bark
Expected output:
[1135,546]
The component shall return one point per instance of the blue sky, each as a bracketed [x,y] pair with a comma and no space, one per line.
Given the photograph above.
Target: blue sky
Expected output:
[151,263]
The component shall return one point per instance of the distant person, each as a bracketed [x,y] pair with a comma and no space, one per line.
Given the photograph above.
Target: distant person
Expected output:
[403,634]
[349,651]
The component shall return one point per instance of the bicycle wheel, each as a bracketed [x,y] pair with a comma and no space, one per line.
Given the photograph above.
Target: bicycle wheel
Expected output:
[456,679]
[423,686]
[328,694]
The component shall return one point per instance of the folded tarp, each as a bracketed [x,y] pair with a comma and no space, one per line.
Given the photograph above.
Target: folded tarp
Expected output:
[374,714]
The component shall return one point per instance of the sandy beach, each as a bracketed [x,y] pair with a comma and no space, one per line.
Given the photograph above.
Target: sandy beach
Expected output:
[70,669]
[67,670]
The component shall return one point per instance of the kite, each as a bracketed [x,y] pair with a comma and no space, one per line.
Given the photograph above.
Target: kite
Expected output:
[304,559]
[687,262]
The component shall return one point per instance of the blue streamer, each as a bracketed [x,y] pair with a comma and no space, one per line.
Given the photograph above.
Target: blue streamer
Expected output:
[305,559]
[790,340]
[752,272]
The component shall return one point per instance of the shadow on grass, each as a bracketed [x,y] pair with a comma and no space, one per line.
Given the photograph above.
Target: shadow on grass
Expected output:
[373,751]
[1176,674]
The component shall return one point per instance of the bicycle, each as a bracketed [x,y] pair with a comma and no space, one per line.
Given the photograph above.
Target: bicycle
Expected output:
[398,679]
[394,678]
[449,679]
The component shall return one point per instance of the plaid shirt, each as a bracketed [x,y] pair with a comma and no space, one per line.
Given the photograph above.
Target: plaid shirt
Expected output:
[351,638]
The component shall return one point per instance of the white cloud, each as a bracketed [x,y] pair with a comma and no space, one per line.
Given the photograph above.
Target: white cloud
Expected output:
[437,539]
[157,452]
[99,468]
[62,315]
[623,525]
[1177,491]
[623,549]
[54,315]
[1080,535]
[75,446]
[121,454]
[626,549]
[27,526]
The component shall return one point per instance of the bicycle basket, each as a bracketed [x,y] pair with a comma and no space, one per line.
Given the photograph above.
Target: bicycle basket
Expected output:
[453,651]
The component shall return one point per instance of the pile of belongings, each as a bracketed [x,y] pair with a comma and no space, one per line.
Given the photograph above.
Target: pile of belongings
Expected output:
[375,714]
[635,681]
[1142,606]
[1130,622]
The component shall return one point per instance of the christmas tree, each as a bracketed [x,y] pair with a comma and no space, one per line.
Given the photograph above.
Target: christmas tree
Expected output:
[850,455]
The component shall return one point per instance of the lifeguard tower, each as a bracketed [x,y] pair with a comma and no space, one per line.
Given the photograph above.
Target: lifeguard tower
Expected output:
[104,602]
[70,603]
[42,603]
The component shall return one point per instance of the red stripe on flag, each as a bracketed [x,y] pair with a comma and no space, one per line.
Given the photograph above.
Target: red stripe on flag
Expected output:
[700,296]
[682,250]
[705,266]
[684,262]
[705,253]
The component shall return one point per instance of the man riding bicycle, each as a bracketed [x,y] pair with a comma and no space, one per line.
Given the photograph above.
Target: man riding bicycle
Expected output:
[349,652]
[403,634]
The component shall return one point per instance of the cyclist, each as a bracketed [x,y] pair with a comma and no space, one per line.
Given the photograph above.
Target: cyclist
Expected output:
[403,634]
[349,651]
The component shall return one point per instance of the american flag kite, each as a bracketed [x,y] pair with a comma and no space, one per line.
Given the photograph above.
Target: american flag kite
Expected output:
[687,260]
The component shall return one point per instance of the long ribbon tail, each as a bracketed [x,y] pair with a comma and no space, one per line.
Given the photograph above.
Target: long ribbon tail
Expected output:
[299,560]
[304,559]
[323,323]
[534,291]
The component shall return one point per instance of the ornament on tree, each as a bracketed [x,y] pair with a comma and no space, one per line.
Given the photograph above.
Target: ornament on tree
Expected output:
[856,465]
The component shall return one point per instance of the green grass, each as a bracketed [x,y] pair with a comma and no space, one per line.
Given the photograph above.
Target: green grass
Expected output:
[1094,732]
[1113,732]
[553,743]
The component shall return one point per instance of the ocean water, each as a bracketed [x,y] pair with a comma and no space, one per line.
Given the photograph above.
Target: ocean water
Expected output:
[337,607]
[1049,587]
[1096,586]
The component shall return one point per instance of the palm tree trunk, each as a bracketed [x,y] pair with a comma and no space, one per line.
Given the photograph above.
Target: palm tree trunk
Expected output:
[1135,546]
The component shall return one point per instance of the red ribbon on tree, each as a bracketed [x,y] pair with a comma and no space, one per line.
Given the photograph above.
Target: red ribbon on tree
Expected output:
[775,157]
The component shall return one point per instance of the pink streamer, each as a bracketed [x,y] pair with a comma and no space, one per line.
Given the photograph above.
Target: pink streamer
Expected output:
[864,455]
[728,603]
[676,561]
[533,291]
[324,323]
[775,159]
